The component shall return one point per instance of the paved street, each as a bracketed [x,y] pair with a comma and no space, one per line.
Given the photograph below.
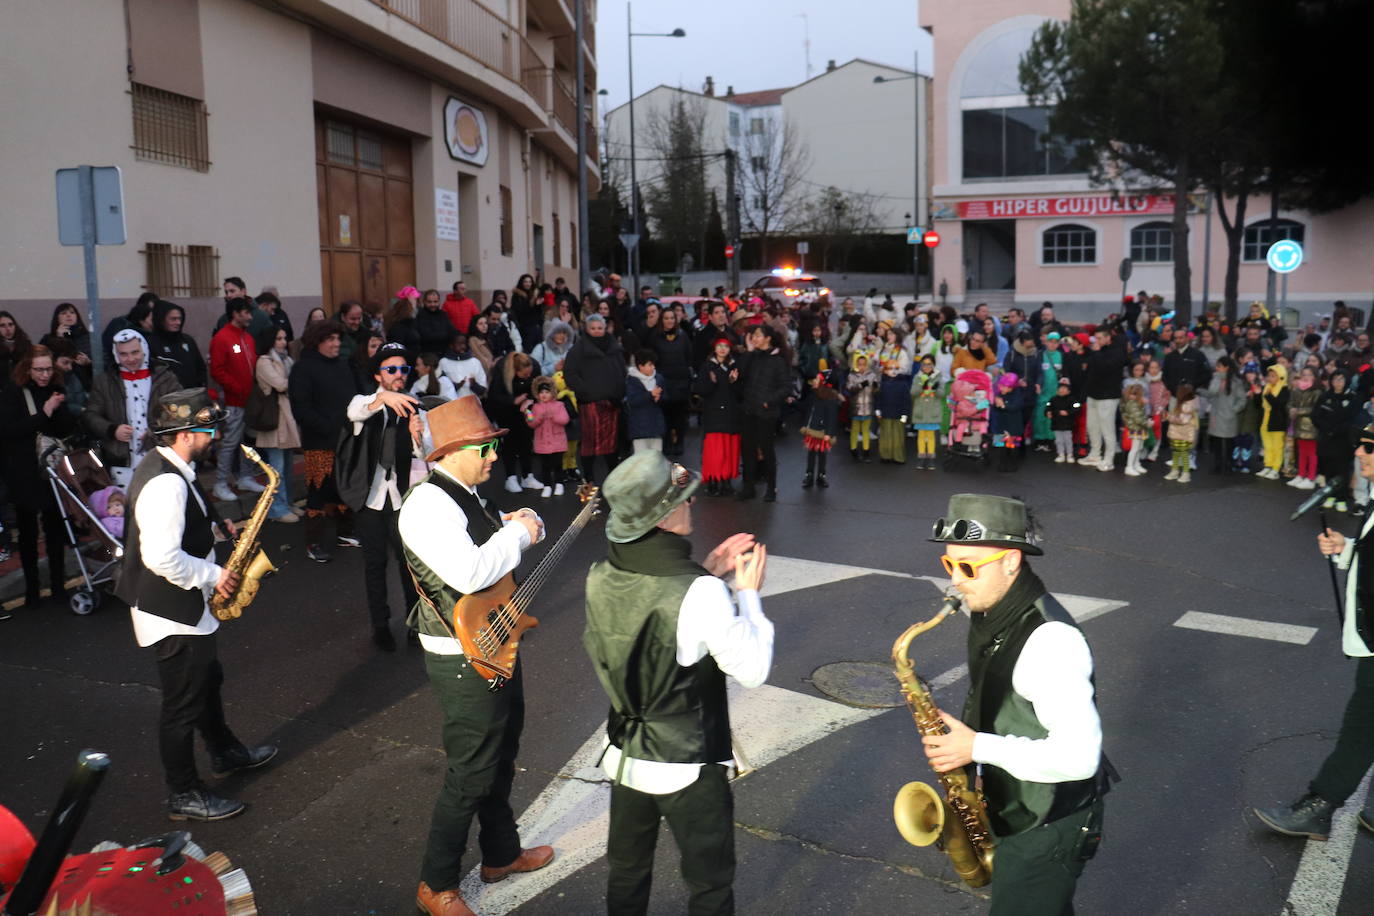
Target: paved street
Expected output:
[1202,723]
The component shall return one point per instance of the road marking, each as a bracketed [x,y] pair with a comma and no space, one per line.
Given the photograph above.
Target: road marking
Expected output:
[1244,626]
[1316,888]
[790,574]
[573,812]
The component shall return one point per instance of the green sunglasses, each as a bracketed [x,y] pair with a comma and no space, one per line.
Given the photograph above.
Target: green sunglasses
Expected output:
[484,449]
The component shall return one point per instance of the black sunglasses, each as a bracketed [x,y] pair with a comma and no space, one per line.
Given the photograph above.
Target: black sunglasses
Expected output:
[392,370]
[1366,446]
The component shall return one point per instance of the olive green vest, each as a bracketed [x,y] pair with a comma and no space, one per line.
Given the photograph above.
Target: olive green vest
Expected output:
[659,709]
[437,597]
[1016,805]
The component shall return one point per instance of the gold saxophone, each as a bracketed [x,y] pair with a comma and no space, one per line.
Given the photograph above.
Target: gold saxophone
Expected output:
[248,558]
[958,822]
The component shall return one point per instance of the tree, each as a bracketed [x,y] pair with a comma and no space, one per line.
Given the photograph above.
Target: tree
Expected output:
[677,197]
[1136,86]
[839,220]
[714,241]
[774,161]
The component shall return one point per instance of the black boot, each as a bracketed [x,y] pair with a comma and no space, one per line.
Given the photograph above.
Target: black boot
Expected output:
[746,492]
[711,488]
[725,489]
[201,804]
[820,470]
[1309,816]
[808,481]
[241,757]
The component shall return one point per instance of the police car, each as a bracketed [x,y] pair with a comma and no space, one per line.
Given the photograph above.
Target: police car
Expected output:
[791,287]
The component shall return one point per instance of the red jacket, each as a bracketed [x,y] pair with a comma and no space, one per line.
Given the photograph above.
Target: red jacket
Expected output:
[233,356]
[460,311]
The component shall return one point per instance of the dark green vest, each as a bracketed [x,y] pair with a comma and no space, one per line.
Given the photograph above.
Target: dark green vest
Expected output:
[437,597]
[1016,805]
[659,709]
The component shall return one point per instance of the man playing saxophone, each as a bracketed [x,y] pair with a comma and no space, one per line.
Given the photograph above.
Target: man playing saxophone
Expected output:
[1030,723]
[168,575]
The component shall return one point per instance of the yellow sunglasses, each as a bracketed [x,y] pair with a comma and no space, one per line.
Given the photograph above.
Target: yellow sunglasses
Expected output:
[967,568]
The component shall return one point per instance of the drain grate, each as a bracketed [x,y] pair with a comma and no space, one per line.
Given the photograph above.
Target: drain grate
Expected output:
[867,685]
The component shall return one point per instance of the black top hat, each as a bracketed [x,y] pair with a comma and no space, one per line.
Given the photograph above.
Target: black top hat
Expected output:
[189,408]
[978,520]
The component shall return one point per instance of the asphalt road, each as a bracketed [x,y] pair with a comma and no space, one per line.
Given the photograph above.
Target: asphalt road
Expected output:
[1202,725]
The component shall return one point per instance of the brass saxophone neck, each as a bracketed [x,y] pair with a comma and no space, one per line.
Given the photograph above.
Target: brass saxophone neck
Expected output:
[900,648]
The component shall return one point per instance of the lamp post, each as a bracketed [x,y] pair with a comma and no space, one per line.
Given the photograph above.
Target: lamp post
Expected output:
[630,36]
[584,248]
[918,189]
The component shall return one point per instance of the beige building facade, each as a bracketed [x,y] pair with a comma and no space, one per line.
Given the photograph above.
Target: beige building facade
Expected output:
[332,149]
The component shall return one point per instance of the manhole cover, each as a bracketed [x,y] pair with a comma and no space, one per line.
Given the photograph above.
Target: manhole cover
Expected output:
[868,685]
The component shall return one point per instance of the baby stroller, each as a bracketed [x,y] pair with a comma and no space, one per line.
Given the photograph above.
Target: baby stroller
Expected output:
[75,475]
[970,413]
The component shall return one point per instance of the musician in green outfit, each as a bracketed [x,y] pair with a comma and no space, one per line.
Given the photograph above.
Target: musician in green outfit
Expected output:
[455,546]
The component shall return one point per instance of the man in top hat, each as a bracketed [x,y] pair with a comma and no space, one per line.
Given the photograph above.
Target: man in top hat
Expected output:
[1346,765]
[1030,722]
[455,546]
[662,633]
[168,576]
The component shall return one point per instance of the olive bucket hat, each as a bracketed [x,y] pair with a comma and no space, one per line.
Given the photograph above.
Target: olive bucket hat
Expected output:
[978,520]
[641,491]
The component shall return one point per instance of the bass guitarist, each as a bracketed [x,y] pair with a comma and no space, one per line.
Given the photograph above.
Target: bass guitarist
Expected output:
[453,547]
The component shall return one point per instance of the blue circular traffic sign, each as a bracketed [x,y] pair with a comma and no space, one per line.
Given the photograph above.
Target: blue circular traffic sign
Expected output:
[1284,256]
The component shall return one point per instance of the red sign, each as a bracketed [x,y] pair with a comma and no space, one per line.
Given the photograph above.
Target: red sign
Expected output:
[729,251]
[931,238]
[1086,205]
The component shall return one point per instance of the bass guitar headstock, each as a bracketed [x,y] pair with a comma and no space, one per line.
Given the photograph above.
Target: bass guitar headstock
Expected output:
[590,493]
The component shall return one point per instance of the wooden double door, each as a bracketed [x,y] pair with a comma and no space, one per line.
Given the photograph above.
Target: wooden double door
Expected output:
[367,214]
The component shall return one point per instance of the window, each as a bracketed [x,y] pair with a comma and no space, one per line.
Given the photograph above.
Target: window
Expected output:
[177,270]
[734,123]
[557,242]
[1152,243]
[170,128]
[347,145]
[507,224]
[756,125]
[1258,237]
[1069,243]
[758,164]
[1012,142]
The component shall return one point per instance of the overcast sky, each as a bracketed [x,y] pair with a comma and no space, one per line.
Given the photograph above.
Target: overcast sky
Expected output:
[750,44]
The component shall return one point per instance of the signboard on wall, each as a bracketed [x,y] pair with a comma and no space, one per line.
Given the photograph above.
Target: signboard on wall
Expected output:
[465,131]
[1085,205]
[445,215]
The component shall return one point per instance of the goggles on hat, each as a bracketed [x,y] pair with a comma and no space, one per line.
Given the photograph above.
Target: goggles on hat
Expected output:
[960,529]
[678,478]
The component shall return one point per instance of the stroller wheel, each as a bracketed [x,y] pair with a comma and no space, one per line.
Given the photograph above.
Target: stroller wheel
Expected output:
[85,601]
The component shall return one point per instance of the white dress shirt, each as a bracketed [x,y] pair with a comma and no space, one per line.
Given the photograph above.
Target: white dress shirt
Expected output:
[1053,672]
[161,517]
[742,646]
[435,528]
[1349,559]
[461,371]
[385,492]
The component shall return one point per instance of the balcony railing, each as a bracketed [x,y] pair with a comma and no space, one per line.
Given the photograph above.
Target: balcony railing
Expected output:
[471,28]
[554,95]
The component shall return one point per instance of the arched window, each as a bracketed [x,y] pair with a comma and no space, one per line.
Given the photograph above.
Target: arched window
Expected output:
[1152,243]
[1258,237]
[1069,243]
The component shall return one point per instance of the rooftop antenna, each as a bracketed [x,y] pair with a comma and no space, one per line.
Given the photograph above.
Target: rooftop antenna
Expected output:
[806,42]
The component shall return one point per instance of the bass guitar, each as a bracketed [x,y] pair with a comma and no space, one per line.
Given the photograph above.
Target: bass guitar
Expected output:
[490,623]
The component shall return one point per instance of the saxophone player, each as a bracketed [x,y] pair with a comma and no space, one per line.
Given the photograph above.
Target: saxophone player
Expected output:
[1030,723]
[167,578]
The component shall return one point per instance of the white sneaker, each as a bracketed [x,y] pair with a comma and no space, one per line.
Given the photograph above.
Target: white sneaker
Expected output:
[223,494]
[1134,472]
[531,483]
[1185,477]
[249,484]
[558,489]
[546,492]
[1059,459]
[513,484]
[1172,475]
[289,518]
[1307,484]
[1107,465]
[1089,459]
[1296,483]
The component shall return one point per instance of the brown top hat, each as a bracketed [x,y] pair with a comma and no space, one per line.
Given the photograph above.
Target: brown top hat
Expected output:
[460,422]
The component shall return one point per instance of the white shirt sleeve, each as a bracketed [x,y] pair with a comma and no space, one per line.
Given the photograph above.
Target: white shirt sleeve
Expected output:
[161,517]
[741,645]
[1054,673]
[358,411]
[436,529]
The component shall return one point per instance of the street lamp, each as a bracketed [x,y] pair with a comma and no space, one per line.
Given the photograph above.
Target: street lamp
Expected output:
[918,189]
[630,36]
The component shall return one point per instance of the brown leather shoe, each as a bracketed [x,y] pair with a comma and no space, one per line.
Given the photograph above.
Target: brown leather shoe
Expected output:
[531,859]
[442,903]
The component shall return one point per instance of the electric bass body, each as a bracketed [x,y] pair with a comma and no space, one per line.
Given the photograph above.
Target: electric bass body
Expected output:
[489,629]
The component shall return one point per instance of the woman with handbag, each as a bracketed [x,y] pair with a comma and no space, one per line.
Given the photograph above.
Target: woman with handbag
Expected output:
[31,422]
[269,414]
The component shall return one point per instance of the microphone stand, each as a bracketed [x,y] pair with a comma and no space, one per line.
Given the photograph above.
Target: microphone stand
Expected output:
[1331,568]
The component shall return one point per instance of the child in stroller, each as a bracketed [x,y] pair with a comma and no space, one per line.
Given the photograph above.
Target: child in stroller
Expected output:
[970,398]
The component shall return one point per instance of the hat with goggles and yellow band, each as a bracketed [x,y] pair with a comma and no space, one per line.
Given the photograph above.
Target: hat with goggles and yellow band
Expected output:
[187,410]
[978,520]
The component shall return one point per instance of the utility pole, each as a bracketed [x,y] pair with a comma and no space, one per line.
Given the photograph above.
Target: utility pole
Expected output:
[584,247]
[732,217]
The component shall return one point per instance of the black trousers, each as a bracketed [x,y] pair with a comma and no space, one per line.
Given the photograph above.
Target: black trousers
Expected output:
[675,414]
[1354,751]
[701,818]
[1035,872]
[54,535]
[376,529]
[550,468]
[758,435]
[1221,453]
[191,676]
[481,738]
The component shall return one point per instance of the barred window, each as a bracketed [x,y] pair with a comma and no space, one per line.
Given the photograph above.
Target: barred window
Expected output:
[1258,237]
[181,270]
[1152,243]
[170,128]
[347,145]
[1069,243]
[507,223]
